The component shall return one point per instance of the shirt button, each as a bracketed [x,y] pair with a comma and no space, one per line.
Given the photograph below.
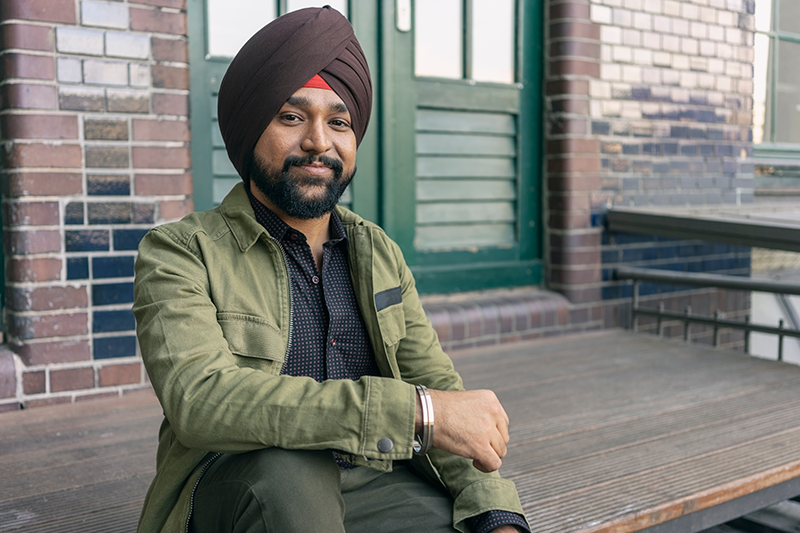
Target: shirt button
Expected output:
[385,445]
[294,237]
[333,342]
[315,280]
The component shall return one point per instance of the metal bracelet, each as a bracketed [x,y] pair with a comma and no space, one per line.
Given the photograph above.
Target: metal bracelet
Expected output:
[423,445]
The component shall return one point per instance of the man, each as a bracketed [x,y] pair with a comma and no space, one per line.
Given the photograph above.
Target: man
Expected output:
[284,336]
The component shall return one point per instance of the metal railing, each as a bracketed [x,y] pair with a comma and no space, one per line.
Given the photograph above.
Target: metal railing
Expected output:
[638,275]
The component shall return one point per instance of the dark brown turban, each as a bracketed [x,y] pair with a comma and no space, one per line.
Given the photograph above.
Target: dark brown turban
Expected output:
[279,60]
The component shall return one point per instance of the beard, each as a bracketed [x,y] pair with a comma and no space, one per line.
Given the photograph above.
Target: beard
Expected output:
[287,192]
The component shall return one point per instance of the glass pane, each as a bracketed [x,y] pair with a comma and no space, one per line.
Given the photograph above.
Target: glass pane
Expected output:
[438,38]
[790,16]
[764,15]
[232,22]
[338,5]
[761,88]
[493,36]
[787,111]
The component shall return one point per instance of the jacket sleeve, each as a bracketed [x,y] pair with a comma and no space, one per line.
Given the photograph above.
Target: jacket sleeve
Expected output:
[212,403]
[422,361]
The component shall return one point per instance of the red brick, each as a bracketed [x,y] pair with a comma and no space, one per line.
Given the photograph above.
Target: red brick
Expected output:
[23,96]
[575,49]
[573,183]
[32,213]
[575,30]
[158,21]
[34,241]
[574,240]
[44,184]
[170,50]
[43,155]
[575,11]
[175,4]
[28,37]
[47,298]
[575,67]
[45,353]
[570,105]
[71,379]
[160,130]
[8,375]
[33,382]
[39,126]
[45,402]
[569,202]
[163,184]
[573,146]
[174,209]
[43,326]
[120,375]
[170,77]
[568,220]
[561,126]
[158,157]
[576,87]
[574,164]
[91,396]
[28,66]
[43,10]
[576,256]
[35,269]
[578,295]
[170,104]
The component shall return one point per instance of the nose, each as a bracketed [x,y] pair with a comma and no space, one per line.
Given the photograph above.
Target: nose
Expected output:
[317,139]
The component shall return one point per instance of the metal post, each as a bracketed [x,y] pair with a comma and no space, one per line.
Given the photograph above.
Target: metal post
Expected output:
[687,336]
[780,341]
[717,314]
[747,334]
[660,319]
[635,306]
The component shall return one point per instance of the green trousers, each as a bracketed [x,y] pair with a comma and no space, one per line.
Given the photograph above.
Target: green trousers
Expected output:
[285,491]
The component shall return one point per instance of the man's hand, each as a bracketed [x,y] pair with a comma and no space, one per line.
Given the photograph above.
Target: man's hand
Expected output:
[471,424]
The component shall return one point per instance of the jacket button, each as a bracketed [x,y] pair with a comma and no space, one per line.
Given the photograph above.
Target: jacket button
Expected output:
[385,445]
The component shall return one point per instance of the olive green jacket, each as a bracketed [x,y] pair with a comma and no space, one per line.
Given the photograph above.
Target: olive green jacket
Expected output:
[214,320]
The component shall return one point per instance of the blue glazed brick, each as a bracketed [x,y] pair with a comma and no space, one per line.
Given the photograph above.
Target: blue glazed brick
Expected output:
[73,213]
[697,133]
[108,321]
[108,185]
[86,241]
[679,166]
[608,274]
[128,239]
[112,267]
[714,134]
[651,148]
[641,93]
[667,252]
[707,116]
[601,128]
[77,267]
[669,148]
[632,255]
[110,213]
[724,150]
[605,238]
[610,256]
[689,149]
[144,213]
[111,347]
[729,167]
[711,265]
[631,149]
[706,149]
[612,292]
[112,293]
[598,220]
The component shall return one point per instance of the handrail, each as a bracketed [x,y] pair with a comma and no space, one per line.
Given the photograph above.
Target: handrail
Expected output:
[637,275]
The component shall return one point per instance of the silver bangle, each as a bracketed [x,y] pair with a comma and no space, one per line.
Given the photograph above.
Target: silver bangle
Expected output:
[423,446]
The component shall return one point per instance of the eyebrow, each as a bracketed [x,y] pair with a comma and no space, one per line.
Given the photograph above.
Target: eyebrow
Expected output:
[302,101]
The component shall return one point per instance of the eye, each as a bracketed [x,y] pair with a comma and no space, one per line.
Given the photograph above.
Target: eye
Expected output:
[339,123]
[290,117]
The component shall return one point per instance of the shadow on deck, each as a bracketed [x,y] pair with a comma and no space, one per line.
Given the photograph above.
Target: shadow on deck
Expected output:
[611,432]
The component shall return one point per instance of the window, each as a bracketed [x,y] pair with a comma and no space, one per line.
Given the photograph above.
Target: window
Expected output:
[776,95]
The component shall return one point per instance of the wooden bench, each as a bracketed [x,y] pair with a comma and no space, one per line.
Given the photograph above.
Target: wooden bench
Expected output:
[611,432]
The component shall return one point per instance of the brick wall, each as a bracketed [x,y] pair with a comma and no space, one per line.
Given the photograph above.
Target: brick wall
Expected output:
[649,104]
[96,151]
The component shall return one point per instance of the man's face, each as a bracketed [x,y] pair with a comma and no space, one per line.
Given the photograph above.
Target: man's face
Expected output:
[307,155]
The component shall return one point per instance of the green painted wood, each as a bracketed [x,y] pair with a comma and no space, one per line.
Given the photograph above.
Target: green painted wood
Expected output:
[222,186]
[465,122]
[448,236]
[481,211]
[468,145]
[495,275]
[460,94]
[433,190]
[221,164]
[2,271]
[462,167]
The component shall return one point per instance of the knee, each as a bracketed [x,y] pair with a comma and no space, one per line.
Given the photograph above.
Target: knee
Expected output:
[303,474]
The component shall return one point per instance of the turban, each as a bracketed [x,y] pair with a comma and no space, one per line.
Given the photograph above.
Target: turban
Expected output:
[277,61]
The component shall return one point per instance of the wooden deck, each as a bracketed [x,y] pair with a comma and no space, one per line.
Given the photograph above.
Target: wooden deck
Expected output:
[611,432]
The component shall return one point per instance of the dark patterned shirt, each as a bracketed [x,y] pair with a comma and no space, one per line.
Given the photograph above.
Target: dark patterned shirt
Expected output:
[329,339]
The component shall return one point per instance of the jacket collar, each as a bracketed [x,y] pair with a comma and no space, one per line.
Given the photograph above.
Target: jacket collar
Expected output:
[240,218]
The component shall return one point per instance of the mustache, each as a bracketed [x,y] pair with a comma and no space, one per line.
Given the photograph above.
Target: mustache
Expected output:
[295,160]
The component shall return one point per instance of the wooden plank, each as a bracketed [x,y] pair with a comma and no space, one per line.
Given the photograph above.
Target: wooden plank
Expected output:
[439,212]
[221,164]
[463,167]
[461,95]
[222,186]
[470,145]
[438,190]
[429,120]
[464,235]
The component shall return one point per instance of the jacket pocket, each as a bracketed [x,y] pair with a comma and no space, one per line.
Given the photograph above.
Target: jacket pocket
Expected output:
[392,322]
[252,337]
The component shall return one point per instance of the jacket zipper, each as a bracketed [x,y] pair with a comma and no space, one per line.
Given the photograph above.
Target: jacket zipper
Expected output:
[196,484]
[291,307]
